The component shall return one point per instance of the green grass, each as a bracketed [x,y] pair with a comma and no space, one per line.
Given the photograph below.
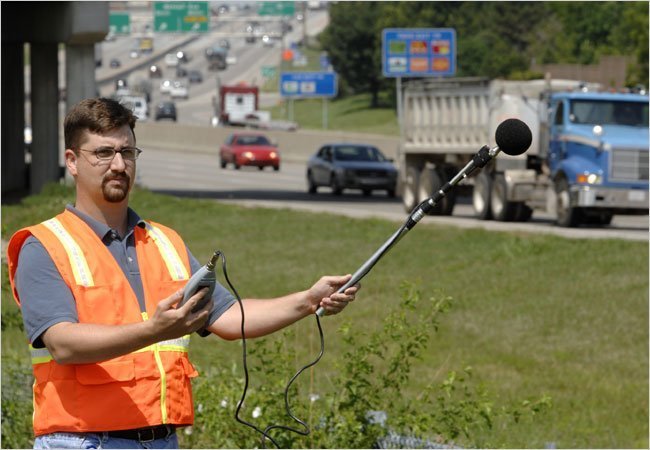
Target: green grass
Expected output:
[532,314]
[352,113]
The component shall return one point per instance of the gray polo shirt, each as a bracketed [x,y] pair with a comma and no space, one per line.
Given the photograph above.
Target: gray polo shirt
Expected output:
[46,300]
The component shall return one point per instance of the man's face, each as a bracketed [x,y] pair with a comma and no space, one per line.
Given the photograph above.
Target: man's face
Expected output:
[103,180]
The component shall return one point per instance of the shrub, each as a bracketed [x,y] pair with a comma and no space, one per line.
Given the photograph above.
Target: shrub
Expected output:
[17,380]
[368,403]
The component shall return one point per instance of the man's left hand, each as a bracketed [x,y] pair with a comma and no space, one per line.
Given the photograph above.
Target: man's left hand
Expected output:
[324,293]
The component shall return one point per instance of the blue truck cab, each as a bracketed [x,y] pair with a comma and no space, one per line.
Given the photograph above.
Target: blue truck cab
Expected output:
[598,155]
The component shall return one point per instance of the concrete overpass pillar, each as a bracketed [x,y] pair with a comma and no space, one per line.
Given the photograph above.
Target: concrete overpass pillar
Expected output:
[45,115]
[14,177]
[79,73]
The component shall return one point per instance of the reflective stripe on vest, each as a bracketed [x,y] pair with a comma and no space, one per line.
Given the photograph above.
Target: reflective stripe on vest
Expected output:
[79,265]
[168,252]
[182,344]
[80,269]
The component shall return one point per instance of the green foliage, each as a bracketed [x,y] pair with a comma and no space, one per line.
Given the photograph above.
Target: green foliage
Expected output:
[534,315]
[11,318]
[494,39]
[371,375]
[17,380]
[353,43]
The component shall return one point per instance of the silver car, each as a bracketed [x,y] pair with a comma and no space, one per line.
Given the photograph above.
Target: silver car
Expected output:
[351,166]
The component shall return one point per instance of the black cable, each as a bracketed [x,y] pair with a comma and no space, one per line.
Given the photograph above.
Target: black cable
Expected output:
[286,391]
[265,432]
[243,338]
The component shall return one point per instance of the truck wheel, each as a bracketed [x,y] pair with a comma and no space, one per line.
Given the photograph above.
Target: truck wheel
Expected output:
[567,216]
[410,192]
[431,180]
[502,209]
[481,196]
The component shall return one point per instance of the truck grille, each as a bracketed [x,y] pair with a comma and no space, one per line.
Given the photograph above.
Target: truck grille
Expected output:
[629,165]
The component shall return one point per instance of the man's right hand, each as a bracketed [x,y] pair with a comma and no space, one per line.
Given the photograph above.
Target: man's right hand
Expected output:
[84,343]
[170,323]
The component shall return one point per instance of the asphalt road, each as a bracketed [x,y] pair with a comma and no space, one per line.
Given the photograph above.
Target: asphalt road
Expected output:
[249,57]
[198,175]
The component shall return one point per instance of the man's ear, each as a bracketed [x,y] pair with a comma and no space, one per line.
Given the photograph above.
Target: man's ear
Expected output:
[71,161]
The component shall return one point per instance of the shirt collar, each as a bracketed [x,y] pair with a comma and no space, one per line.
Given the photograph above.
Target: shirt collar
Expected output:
[101,229]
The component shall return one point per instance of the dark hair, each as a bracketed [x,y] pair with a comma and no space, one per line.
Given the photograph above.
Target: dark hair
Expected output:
[97,115]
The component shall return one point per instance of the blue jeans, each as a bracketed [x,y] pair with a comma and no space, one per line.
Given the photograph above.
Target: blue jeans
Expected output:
[97,440]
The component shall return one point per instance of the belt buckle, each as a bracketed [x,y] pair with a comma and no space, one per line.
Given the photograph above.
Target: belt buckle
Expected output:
[149,430]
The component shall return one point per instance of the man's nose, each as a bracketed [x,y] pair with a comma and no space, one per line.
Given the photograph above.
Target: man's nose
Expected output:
[117,163]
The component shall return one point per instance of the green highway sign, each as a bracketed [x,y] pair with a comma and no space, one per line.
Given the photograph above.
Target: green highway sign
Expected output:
[269,71]
[283,8]
[174,17]
[119,22]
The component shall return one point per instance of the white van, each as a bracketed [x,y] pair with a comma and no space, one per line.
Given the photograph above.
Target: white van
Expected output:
[171,60]
[136,104]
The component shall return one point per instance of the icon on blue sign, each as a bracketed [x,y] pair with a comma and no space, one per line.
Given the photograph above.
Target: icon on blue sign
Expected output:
[290,87]
[397,64]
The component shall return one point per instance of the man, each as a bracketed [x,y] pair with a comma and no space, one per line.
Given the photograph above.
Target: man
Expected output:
[98,286]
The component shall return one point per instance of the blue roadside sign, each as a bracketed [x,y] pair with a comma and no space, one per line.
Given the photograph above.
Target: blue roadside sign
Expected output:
[418,52]
[308,84]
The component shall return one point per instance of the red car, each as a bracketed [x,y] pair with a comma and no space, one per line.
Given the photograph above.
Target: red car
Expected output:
[246,149]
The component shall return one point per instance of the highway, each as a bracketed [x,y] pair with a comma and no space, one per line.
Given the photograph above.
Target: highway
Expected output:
[197,174]
[250,58]
[185,172]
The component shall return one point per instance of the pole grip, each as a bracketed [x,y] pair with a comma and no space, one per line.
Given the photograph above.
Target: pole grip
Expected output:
[320,312]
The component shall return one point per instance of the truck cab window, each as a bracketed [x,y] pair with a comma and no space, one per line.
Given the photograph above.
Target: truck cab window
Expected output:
[606,112]
[559,114]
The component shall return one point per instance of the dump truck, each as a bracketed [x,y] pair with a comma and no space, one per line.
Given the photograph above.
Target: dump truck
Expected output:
[587,162]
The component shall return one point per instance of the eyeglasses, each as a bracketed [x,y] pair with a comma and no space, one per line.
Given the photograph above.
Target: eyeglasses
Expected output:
[107,154]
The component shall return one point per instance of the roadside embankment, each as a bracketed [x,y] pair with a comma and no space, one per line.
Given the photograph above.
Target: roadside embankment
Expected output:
[294,145]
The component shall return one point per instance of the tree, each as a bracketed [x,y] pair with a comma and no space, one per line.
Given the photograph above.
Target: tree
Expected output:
[494,39]
[631,36]
[353,43]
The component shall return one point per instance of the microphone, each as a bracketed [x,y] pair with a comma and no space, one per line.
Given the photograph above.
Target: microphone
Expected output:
[513,137]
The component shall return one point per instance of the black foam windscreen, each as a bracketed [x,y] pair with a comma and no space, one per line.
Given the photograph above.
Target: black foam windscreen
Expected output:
[513,137]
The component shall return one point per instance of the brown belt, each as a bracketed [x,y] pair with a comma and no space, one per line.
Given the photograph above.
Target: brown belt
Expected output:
[145,434]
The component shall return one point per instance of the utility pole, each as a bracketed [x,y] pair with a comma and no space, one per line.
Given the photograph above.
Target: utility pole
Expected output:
[303,7]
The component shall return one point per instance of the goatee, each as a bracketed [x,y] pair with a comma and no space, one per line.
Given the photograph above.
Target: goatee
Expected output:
[116,194]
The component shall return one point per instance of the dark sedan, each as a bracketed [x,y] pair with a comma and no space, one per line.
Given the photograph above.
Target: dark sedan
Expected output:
[166,110]
[351,166]
[194,76]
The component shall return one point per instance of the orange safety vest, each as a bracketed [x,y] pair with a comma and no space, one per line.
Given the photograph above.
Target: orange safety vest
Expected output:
[148,387]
